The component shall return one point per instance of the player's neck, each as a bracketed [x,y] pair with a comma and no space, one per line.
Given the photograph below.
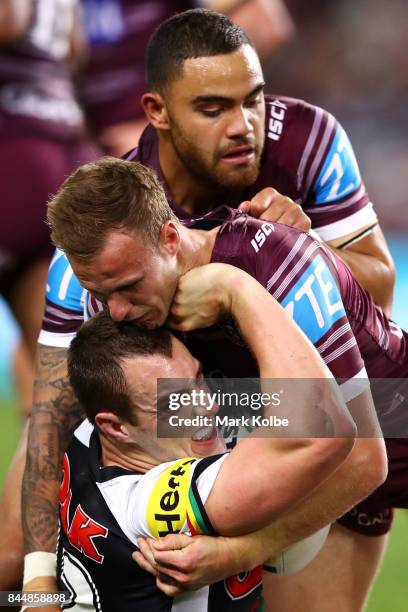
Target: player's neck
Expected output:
[129,457]
[196,247]
[187,190]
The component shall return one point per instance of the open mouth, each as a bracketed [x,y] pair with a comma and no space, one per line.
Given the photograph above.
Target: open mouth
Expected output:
[205,434]
[239,155]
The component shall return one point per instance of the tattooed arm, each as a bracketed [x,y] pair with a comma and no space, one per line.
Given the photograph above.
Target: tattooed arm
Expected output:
[56,413]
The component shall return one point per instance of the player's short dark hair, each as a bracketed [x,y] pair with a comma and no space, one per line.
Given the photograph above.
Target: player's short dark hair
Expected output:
[95,360]
[193,33]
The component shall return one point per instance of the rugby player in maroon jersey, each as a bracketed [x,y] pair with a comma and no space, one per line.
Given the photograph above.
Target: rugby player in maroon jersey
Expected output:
[43,139]
[307,151]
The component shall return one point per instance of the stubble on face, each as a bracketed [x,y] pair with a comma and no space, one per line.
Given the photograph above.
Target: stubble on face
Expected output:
[206,171]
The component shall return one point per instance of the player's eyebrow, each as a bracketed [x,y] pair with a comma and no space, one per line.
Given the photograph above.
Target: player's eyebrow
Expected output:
[223,99]
[128,283]
[101,295]
[125,284]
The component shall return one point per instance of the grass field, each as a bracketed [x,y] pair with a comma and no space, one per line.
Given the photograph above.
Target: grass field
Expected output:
[391,590]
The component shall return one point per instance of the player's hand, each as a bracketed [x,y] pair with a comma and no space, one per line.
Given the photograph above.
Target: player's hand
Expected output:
[270,205]
[181,563]
[203,295]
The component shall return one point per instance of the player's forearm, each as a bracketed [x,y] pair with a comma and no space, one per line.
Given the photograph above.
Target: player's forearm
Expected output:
[55,415]
[205,560]
[14,18]
[299,460]
[375,275]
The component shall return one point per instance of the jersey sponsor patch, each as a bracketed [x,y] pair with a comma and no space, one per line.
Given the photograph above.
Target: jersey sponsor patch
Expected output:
[339,175]
[166,509]
[276,119]
[314,301]
[63,288]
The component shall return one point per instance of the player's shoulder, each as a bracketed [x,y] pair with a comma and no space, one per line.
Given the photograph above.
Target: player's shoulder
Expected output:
[296,134]
[65,300]
[63,288]
[258,246]
[170,497]
[283,112]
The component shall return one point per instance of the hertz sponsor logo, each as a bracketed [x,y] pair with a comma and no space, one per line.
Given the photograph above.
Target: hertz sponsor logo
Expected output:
[167,507]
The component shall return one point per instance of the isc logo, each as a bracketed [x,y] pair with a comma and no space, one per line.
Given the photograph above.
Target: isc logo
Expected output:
[261,235]
[275,126]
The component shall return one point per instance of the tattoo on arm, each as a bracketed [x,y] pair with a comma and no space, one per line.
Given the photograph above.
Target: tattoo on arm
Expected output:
[56,413]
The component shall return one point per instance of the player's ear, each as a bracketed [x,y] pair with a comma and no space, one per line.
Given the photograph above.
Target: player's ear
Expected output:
[155,110]
[112,426]
[170,237]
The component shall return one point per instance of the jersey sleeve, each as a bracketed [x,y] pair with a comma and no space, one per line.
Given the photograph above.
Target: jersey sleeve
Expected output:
[329,179]
[302,275]
[64,304]
[171,498]
[305,284]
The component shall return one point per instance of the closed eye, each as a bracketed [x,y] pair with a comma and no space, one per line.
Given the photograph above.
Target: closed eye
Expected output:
[211,113]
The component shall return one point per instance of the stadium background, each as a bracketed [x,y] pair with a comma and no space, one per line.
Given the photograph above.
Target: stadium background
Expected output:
[349,58]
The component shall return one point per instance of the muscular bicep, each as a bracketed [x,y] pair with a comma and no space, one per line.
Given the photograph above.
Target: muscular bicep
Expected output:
[261,481]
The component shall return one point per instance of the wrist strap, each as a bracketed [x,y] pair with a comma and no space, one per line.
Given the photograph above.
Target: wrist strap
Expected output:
[38,564]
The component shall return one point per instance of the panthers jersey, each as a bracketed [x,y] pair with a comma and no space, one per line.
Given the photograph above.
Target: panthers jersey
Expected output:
[308,157]
[104,509]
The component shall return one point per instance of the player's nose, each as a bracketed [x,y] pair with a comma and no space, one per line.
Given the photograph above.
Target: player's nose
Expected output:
[119,308]
[240,123]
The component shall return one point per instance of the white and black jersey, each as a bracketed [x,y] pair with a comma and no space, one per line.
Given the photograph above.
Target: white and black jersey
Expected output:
[104,510]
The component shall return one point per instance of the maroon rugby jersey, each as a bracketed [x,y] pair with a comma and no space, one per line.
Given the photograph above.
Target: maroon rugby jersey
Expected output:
[36,92]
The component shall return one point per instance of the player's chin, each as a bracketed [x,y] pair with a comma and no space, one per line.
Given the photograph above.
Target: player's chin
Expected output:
[240,177]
